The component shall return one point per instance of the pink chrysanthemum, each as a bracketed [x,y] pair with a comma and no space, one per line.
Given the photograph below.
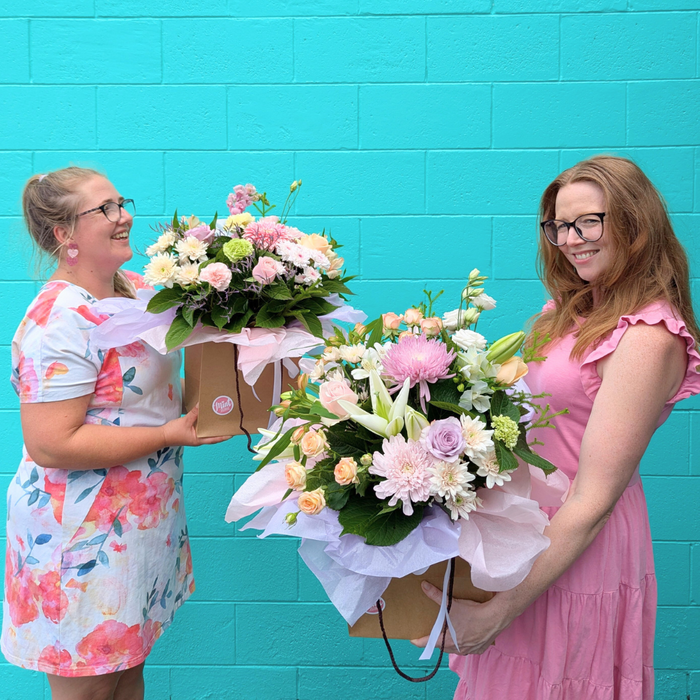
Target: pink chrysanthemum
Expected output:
[419,359]
[266,232]
[405,466]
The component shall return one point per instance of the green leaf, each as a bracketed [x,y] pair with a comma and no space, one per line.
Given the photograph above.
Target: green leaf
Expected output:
[281,444]
[335,287]
[188,315]
[238,323]
[178,332]
[313,325]
[212,225]
[265,319]
[376,331]
[501,405]
[363,517]
[318,307]
[445,391]
[165,299]
[451,407]
[527,455]
[506,460]
[175,220]
[346,443]
[279,291]
[337,495]
[220,316]
[317,410]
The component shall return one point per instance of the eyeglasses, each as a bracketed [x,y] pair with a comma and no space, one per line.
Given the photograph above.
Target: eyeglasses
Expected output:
[112,210]
[588,227]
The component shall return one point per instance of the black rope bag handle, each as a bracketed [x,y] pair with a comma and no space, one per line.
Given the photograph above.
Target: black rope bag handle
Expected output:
[240,405]
[442,643]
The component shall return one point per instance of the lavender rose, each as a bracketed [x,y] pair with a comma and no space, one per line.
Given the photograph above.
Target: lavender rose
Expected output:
[444,439]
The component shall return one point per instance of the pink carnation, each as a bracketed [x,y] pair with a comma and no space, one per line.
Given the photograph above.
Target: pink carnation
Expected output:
[218,276]
[266,232]
[404,465]
[420,360]
[267,270]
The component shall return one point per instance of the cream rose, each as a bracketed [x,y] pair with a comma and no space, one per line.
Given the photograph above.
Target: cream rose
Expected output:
[315,242]
[313,443]
[413,317]
[391,321]
[511,370]
[345,471]
[295,474]
[431,326]
[331,392]
[312,502]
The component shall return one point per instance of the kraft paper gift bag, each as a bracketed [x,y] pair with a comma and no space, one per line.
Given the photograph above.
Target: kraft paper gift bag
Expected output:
[212,379]
[407,612]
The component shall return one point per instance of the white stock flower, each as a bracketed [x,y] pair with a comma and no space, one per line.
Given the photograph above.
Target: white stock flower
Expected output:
[477,437]
[484,302]
[352,353]
[161,269]
[489,467]
[466,339]
[165,240]
[477,397]
[192,248]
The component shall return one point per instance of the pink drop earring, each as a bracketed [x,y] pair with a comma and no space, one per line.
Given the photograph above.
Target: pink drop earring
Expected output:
[72,253]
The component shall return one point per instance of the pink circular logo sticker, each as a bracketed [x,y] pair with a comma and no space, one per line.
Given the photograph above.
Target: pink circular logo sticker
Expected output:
[222,405]
[373,610]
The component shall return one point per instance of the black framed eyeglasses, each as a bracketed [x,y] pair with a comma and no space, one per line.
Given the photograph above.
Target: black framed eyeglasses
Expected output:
[112,210]
[588,227]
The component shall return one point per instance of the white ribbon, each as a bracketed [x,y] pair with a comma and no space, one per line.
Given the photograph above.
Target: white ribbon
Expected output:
[443,616]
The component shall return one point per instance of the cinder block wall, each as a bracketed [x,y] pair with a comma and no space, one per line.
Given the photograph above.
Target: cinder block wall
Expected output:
[424,131]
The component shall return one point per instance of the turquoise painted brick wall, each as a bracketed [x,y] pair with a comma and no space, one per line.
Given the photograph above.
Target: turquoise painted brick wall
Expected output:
[424,131]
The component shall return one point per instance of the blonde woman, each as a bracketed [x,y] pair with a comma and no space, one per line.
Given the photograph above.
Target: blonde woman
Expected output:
[98,556]
[622,354]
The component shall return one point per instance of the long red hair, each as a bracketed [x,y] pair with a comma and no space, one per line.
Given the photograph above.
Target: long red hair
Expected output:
[648,265]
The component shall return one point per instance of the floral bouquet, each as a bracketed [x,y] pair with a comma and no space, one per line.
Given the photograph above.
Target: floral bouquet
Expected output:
[243,294]
[244,273]
[400,449]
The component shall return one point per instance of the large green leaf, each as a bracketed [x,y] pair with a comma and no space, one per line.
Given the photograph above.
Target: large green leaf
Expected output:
[310,321]
[501,405]
[281,444]
[220,316]
[318,307]
[188,315]
[178,332]
[445,391]
[451,407]
[239,322]
[346,443]
[364,517]
[278,291]
[375,329]
[337,495]
[506,460]
[527,455]
[265,319]
[336,287]
[165,299]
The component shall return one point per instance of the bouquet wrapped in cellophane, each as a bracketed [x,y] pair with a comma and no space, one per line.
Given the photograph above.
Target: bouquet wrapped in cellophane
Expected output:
[404,445]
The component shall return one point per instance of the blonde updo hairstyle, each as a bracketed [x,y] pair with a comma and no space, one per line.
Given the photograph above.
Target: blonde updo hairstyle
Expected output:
[52,200]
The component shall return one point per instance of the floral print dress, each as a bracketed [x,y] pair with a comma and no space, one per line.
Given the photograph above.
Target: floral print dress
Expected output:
[97,560]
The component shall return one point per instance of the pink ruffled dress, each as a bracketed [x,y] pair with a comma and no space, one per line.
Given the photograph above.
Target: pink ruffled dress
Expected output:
[590,636]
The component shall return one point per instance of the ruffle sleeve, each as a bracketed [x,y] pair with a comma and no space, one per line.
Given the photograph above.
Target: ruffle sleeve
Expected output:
[651,316]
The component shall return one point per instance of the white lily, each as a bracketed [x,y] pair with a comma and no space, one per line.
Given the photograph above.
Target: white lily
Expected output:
[262,450]
[415,423]
[387,417]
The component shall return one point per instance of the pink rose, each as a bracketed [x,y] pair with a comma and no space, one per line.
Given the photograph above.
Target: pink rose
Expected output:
[413,317]
[202,233]
[267,270]
[218,276]
[331,392]
[431,326]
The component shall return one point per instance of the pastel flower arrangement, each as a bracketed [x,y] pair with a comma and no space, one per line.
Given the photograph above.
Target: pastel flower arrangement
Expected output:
[244,272]
[408,412]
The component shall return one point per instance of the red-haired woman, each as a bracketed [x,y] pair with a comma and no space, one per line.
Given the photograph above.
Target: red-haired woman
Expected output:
[622,353]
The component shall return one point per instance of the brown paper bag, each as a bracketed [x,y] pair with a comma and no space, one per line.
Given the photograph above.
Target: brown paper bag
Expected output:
[408,613]
[210,379]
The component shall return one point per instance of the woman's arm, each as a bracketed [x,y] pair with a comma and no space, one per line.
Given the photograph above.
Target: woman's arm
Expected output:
[638,378]
[56,436]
